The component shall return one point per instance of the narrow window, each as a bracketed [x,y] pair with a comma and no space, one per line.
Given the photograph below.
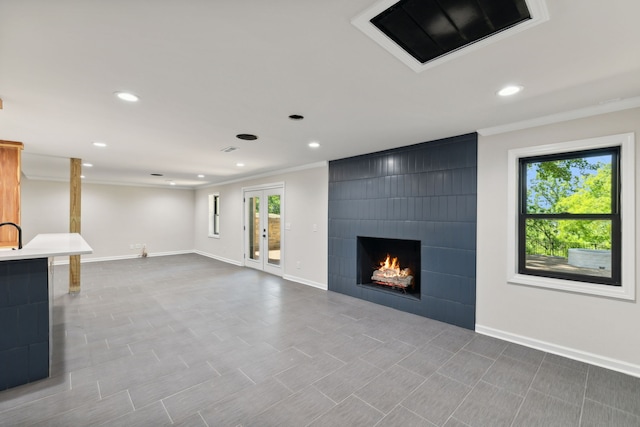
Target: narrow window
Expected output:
[214,215]
[569,224]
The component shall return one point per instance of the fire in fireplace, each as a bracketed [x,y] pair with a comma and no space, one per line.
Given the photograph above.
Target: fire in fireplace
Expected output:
[391,265]
[391,274]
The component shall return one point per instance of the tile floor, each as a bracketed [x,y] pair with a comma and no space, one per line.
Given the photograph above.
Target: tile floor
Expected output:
[186,340]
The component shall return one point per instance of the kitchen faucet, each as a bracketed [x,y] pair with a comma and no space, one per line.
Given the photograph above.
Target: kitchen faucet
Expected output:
[19,232]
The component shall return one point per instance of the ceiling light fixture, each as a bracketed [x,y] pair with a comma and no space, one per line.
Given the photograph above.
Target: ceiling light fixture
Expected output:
[510,90]
[87,165]
[240,165]
[200,176]
[127,96]
[314,144]
[99,144]
[82,176]
[246,137]
[172,183]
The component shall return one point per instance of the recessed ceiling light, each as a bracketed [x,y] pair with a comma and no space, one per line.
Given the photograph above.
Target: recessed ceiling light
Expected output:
[510,90]
[246,136]
[87,165]
[82,176]
[99,144]
[240,165]
[127,96]
[314,144]
[200,176]
[296,117]
[172,183]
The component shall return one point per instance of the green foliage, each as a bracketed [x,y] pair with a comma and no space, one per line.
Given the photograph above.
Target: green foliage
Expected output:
[574,186]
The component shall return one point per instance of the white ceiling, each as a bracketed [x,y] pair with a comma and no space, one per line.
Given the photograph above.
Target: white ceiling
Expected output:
[206,70]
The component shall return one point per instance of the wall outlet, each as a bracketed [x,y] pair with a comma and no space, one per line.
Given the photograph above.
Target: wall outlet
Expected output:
[315,227]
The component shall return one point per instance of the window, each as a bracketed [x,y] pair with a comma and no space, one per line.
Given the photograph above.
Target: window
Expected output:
[569,216]
[572,216]
[214,215]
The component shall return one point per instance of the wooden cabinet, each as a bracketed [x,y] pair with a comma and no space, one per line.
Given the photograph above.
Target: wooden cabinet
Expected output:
[9,191]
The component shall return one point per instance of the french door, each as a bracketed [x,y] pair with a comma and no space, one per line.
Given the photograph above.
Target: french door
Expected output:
[263,229]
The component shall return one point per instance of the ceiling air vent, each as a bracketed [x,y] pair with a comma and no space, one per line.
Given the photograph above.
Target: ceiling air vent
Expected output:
[229,149]
[423,33]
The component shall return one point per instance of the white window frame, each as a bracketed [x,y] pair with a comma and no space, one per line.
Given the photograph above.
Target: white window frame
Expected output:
[213,214]
[627,290]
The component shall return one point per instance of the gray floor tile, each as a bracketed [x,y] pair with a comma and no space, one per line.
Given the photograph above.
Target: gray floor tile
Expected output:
[348,348]
[185,403]
[169,328]
[262,369]
[388,354]
[453,339]
[488,406]
[567,363]
[513,375]
[401,416]
[151,415]
[167,385]
[541,410]
[346,380]
[452,422]
[297,410]
[561,382]
[486,346]
[389,388]
[306,373]
[194,420]
[93,414]
[437,398]
[50,406]
[241,407]
[596,414]
[524,354]
[466,367]
[614,389]
[352,412]
[426,360]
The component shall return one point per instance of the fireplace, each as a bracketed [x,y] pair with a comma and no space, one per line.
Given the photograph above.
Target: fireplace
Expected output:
[389,265]
[423,198]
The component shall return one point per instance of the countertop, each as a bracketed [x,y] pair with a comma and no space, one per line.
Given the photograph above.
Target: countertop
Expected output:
[49,245]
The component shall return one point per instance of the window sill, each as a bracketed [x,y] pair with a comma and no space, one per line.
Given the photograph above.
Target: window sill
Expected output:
[618,292]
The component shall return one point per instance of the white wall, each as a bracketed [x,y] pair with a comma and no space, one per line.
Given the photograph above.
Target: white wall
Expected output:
[113,217]
[599,330]
[305,204]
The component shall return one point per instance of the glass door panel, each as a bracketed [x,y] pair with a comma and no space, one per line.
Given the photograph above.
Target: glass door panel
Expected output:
[274,229]
[253,205]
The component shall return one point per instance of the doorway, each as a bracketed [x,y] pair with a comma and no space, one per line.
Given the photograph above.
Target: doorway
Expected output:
[263,210]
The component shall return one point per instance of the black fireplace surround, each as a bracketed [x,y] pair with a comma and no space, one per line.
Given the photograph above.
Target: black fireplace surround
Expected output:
[425,193]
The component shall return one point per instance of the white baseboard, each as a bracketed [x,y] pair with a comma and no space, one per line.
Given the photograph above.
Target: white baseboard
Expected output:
[219,258]
[582,356]
[302,281]
[65,260]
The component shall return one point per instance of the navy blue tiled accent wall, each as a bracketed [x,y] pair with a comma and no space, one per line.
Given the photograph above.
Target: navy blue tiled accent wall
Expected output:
[423,192]
[24,322]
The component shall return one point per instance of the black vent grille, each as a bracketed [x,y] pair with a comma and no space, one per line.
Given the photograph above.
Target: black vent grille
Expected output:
[428,29]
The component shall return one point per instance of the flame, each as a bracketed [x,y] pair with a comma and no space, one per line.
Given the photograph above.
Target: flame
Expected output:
[390,267]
